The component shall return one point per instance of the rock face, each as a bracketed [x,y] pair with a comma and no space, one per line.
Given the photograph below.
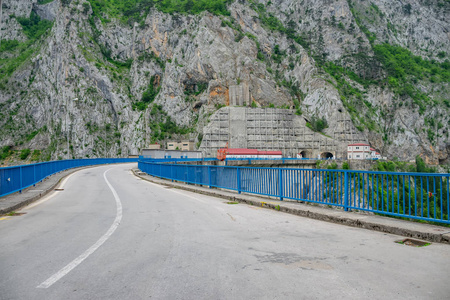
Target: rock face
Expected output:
[93,88]
[47,11]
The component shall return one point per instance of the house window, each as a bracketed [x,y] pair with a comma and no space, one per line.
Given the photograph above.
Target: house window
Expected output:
[349,156]
[357,156]
[357,148]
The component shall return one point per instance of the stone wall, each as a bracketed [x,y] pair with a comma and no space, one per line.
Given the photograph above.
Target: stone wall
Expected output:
[269,129]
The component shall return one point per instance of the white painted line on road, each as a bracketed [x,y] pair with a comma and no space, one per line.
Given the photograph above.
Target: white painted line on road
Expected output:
[64,271]
[178,192]
[53,194]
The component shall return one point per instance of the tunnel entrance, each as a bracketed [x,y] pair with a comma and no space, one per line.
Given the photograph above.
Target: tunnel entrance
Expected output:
[327,155]
[305,154]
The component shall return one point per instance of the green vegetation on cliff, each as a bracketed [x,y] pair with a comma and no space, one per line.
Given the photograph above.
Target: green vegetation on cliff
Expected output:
[44,1]
[163,127]
[149,94]
[137,10]
[273,23]
[404,70]
[34,27]
[19,52]
[317,124]
[400,64]
[5,152]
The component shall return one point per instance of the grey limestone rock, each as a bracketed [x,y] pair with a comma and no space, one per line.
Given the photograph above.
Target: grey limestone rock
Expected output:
[81,88]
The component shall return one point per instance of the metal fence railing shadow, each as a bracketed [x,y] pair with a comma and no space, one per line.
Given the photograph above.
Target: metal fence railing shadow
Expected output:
[16,178]
[420,196]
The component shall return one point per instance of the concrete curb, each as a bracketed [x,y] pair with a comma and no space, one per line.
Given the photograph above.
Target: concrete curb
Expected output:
[426,232]
[15,205]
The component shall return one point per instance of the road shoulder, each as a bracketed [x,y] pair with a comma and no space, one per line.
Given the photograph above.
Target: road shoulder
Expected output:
[410,229]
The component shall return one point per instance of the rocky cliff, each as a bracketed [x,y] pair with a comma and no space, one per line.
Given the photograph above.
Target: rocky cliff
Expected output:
[79,79]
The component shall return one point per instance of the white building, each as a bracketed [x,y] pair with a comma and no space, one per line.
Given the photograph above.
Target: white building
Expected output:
[362,151]
[375,154]
[161,153]
[180,145]
[359,151]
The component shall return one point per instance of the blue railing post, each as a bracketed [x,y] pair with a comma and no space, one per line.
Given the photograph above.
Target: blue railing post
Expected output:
[280,181]
[20,168]
[346,191]
[31,174]
[238,170]
[209,177]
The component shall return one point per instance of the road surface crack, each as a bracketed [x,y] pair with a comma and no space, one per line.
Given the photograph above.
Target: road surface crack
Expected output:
[231,217]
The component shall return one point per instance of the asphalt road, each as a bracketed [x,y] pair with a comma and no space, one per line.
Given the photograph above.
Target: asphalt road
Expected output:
[131,239]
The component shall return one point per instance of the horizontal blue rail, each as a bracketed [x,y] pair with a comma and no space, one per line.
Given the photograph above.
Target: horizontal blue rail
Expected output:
[282,159]
[419,196]
[167,159]
[15,179]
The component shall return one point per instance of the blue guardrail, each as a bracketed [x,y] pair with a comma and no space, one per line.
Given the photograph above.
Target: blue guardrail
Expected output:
[17,178]
[419,196]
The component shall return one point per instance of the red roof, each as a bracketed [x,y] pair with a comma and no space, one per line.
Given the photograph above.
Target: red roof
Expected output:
[359,144]
[371,149]
[242,151]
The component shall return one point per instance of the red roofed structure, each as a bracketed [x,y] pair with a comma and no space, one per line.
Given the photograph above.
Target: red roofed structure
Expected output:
[242,151]
[226,152]
[362,151]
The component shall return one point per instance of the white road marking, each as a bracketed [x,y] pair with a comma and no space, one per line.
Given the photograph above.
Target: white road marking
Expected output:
[53,194]
[189,196]
[177,192]
[64,271]
[185,193]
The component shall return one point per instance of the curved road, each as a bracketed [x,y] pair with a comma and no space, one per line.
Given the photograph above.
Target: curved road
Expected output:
[110,235]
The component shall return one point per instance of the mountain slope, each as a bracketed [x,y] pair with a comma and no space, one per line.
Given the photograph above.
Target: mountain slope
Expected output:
[105,78]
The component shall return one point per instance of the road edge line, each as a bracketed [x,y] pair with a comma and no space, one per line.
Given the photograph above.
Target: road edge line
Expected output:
[355,220]
[74,263]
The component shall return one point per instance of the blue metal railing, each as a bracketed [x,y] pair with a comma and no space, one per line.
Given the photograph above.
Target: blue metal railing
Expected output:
[278,160]
[419,196]
[17,178]
[282,159]
[168,159]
